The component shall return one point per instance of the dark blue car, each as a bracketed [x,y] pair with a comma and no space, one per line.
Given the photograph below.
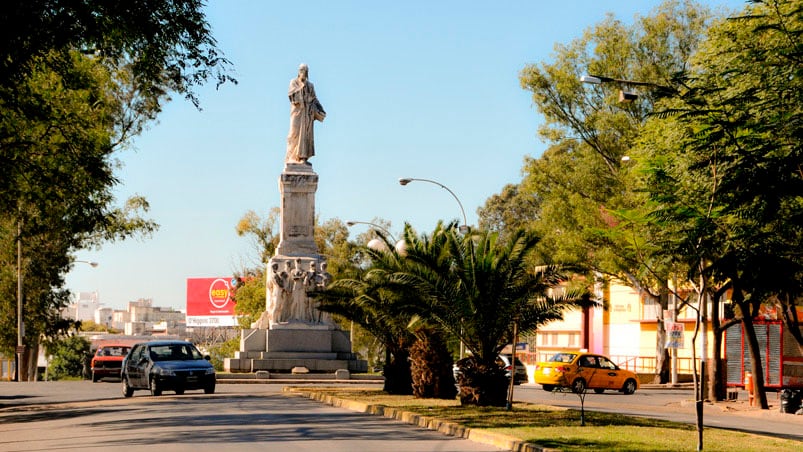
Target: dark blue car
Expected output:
[167,365]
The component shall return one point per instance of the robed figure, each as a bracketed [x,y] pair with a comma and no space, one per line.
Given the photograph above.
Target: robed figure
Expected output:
[304,111]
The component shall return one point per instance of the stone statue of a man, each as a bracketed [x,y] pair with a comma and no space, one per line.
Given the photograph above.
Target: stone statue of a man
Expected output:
[304,111]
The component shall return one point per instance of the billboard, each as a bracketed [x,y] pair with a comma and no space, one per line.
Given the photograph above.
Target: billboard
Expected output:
[209,302]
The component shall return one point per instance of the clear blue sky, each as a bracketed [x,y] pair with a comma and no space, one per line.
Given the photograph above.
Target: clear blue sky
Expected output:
[425,89]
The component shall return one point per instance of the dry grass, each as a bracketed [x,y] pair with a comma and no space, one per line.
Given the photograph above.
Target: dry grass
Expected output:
[560,428]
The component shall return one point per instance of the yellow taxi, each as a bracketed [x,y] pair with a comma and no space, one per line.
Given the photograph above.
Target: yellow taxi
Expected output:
[581,371]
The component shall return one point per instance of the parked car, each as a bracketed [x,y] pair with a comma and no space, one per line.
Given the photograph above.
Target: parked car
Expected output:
[108,361]
[504,362]
[167,365]
[580,371]
[520,375]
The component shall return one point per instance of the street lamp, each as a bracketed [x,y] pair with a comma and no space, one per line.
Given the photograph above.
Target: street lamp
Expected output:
[92,264]
[462,228]
[377,244]
[624,96]
[373,225]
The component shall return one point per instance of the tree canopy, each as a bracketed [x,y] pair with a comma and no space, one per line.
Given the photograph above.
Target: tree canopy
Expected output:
[79,79]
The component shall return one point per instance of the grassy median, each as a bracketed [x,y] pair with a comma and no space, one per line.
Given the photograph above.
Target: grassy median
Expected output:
[560,428]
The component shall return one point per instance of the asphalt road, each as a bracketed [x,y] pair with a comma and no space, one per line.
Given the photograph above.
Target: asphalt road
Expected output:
[82,416]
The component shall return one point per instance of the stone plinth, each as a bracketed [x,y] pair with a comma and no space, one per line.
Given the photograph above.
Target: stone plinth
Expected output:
[319,348]
[297,186]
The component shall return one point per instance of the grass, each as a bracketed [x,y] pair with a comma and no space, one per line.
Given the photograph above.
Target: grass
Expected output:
[560,428]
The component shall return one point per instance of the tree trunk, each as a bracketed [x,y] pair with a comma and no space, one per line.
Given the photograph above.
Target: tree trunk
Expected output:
[717,388]
[791,322]
[398,379]
[31,361]
[756,366]
[431,367]
[662,358]
[481,383]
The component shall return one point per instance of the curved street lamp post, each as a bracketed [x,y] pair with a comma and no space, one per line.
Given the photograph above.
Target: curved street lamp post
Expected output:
[373,225]
[462,228]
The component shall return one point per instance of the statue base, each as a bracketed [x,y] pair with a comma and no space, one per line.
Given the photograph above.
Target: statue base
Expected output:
[319,348]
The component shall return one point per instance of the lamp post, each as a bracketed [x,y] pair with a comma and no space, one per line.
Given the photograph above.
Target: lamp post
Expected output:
[624,96]
[373,225]
[462,228]
[20,347]
[91,264]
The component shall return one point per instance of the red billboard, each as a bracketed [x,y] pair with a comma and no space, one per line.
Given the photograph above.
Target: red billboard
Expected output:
[209,302]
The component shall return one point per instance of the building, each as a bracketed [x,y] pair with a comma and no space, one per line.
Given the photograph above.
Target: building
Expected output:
[83,308]
[626,331]
[140,318]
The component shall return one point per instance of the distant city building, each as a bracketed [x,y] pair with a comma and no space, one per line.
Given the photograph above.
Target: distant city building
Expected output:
[86,305]
[140,318]
[104,316]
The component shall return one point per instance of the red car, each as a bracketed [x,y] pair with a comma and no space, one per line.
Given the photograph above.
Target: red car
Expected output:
[108,360]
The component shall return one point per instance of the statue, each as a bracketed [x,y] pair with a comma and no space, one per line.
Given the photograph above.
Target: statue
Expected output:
[277,294]
[304,111]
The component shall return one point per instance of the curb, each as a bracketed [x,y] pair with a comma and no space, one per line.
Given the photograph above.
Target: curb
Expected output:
[427,422]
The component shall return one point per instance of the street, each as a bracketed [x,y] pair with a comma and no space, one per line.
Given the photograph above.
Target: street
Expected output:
[237,417]
[81,415]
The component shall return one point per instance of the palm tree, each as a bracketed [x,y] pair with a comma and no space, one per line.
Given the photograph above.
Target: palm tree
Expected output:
[472,287]
[475,287]
[366,301]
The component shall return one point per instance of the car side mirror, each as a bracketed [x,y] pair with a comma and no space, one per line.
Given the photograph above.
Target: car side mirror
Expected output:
[207,357]
[142,360]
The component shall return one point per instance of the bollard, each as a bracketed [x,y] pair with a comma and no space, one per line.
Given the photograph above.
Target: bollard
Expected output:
[748,386]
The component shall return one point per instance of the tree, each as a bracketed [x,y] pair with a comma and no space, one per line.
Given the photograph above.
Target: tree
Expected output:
[68,356]
[78,79]
[168,45]
[581,182]
[731,183]
[367,301]
[511,209]
[475,287]
[262,233]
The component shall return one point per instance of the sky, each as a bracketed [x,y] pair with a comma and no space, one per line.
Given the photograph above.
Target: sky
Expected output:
[418,89]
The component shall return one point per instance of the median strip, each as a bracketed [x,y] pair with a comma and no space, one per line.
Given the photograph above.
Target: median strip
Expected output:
[431,423]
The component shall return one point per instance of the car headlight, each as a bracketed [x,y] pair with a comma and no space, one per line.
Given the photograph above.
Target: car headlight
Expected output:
[166,372]
[210,371]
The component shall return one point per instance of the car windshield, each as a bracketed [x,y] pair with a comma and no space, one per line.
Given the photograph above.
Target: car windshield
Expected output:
[175,352]
[113,351]
[562,357]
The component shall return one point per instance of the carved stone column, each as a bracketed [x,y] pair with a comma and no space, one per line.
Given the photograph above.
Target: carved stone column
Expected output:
[297,186]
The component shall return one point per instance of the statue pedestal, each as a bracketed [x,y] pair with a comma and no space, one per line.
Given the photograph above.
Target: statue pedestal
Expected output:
[297,186]
[319,348]
[292,332]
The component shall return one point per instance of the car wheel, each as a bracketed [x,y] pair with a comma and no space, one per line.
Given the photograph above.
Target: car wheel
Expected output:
[629,387]
[156,390]
[128,391]
[548,388]
[599,390]
[95,378]
[179,391]
[210,389]
[579,386]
